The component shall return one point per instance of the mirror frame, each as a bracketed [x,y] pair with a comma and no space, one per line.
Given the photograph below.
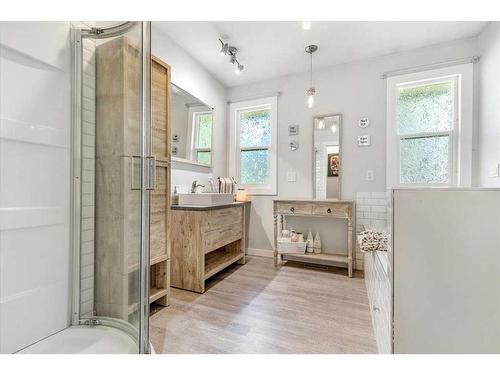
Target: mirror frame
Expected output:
[185,160]
[314,155]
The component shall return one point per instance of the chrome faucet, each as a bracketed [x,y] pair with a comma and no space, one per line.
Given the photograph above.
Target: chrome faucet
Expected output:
[195,185]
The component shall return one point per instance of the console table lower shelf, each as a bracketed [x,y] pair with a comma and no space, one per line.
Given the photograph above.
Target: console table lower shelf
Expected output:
[334,209]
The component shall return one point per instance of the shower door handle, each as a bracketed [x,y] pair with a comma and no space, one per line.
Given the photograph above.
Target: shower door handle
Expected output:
[151,172]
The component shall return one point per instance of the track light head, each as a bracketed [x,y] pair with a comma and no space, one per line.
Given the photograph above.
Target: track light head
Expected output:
[238,68]
[224,49]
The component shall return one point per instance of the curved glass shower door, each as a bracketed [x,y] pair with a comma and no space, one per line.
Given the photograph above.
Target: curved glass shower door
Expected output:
[112,174]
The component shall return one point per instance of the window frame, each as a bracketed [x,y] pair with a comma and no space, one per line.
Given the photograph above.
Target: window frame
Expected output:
[460,136]
[194,148]
[235,149]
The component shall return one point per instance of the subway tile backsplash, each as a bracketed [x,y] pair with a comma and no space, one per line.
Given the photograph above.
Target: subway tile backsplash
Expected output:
[371,210]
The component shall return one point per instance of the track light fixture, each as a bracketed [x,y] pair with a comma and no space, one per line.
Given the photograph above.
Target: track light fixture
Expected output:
[227,50]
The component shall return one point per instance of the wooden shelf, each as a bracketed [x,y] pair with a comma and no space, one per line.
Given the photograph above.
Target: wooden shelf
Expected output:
[323,258]
[156,293]
[219,261]
[158,259]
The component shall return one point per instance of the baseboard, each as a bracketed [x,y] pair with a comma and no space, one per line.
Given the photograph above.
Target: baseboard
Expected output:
[260,252]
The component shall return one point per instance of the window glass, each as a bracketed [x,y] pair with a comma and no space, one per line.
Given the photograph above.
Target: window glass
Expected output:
[204,157]
[425,108]
[424,160]
[254,167]
[204,135]
[255,128]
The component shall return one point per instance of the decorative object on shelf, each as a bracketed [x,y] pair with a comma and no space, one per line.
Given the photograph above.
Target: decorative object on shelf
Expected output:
[294,146]
[285,233]
[310,242]
[242,196]
[364,140]
[231,51]
[317,243]
[175,196]
[293,130]
[175,138]
[372,240]
[364,122]
[311,91]
[300,237]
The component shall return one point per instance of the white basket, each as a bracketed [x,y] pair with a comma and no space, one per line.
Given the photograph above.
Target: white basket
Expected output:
[287,247]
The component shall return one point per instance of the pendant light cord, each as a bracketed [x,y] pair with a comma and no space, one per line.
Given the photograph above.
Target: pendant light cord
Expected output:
[311,71]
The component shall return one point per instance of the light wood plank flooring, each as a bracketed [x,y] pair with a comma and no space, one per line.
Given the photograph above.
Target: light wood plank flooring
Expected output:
[256,308]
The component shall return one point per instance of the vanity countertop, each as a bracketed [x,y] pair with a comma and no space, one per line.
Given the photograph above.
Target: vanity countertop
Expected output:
[205,208]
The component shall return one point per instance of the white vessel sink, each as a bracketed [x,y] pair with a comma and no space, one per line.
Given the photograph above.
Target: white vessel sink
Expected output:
[205,199]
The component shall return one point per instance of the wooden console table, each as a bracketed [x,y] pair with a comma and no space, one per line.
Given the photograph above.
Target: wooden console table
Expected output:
[336,209]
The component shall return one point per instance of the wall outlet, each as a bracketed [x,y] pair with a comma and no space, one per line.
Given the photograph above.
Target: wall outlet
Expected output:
[369,175]
[494,171]
[291,176]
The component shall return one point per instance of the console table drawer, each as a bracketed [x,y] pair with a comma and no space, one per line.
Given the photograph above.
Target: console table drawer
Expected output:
[333,210]
[297,208]
[221,236]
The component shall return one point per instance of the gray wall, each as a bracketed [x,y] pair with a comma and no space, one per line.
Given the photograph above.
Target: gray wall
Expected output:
[355,90]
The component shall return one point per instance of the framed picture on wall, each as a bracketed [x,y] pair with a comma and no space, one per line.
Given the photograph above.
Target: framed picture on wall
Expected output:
[333,165]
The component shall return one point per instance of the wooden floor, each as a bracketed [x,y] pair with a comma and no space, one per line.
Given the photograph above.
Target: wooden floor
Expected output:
[256,308]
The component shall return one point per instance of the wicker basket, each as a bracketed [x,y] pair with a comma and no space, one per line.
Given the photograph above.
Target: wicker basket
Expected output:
[287,247]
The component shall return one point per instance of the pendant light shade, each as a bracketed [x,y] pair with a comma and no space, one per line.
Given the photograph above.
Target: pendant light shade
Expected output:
[311,91]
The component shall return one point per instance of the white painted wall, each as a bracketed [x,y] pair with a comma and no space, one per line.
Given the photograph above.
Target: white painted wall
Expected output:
[189,75]
[355,90]
[34,181]
[489,97]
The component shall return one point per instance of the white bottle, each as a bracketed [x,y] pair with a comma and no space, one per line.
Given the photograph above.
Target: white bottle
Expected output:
[317,243]
[310,243]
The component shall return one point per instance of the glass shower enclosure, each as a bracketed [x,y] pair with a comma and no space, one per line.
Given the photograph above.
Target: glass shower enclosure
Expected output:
[112,178]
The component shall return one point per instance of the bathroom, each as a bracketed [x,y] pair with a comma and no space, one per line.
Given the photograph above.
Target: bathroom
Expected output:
[249,187]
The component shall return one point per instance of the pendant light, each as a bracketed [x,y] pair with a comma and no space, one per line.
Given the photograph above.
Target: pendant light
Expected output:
[311,91]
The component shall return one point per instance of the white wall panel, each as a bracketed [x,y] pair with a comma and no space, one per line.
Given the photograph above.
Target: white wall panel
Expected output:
[34,181]
[446,271]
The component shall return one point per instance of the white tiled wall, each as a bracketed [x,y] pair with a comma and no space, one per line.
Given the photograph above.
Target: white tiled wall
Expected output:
[88,178]
[371,213]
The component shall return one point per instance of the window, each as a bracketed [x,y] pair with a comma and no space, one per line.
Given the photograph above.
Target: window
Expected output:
[202,138]
[253,126]
[429,119]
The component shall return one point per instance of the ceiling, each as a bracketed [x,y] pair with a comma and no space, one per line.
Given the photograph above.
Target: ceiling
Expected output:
[273,49]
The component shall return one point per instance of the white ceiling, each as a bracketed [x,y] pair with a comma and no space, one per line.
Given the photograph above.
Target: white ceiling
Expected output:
[272,49]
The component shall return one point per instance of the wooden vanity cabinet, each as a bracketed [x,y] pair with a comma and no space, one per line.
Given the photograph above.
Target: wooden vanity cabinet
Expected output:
[205,241]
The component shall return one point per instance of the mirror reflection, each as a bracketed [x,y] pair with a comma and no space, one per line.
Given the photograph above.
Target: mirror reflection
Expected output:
[192,128]
[327,159]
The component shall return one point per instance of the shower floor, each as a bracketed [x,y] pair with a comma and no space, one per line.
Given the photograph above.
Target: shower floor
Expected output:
[85,340]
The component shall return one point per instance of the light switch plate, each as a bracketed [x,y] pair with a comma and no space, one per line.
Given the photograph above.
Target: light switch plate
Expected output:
[291,176]
[369,175]
[494,171]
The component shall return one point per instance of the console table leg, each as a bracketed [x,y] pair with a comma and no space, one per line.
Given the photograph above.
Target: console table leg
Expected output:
[275,240]
[349,247]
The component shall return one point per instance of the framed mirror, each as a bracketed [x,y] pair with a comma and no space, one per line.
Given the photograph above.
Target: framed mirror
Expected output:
[327,167]
[192,128]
